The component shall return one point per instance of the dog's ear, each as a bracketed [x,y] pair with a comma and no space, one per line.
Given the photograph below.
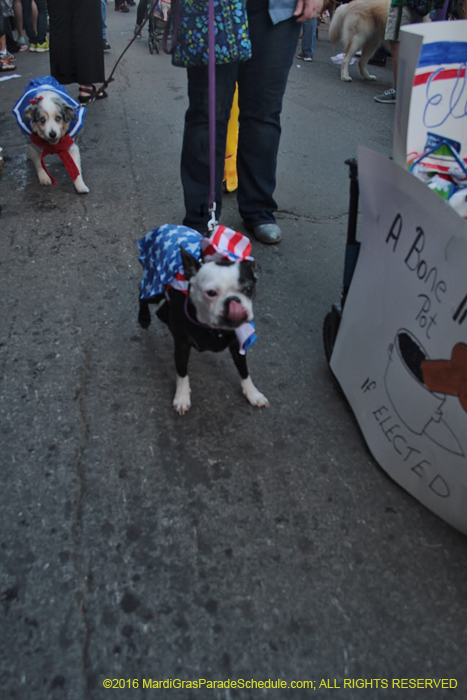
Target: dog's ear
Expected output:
[190,264]
[68,113]
[250,268]
[31,114]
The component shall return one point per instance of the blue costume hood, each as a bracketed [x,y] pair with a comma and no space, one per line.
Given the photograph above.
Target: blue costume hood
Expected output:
[38,85]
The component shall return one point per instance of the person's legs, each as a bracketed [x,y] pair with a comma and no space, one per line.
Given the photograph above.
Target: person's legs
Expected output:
[314,35]
[41,21]
[76,51]
[28,22]
[141,11]
[309,38]
[104,17]
[18,12]
[195,166]
[262,82]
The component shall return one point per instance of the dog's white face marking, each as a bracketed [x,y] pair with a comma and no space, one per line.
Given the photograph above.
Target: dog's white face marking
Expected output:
[50,117]
[222,294]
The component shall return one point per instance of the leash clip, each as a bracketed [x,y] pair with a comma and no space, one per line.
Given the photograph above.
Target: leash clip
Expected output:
[212,223]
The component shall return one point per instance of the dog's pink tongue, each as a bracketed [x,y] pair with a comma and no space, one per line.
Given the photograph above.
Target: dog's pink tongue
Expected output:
[236,311]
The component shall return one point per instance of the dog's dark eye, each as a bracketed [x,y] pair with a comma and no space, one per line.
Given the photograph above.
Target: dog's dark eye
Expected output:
[211,293]
[249,290]
[42,120]
[58,119]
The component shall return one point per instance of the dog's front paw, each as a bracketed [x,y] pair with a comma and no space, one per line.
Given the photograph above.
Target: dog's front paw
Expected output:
[346,78]
[254,396]
[44,179]
[182,401]
[80,187]
[368,76]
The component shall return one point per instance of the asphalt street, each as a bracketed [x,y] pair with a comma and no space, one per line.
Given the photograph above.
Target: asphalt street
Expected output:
[229,544]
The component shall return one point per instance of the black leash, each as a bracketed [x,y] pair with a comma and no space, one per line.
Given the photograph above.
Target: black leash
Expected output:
[110,78]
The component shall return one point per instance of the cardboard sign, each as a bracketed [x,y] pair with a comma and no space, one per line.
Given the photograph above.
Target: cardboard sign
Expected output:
[401,351]
[431,108]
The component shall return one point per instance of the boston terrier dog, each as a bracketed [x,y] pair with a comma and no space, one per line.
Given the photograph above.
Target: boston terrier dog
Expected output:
[208,303]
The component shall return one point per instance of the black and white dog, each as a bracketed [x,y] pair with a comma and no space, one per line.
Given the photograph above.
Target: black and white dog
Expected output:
[213,312]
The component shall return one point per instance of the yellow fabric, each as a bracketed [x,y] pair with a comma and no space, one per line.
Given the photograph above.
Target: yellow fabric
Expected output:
[230,166]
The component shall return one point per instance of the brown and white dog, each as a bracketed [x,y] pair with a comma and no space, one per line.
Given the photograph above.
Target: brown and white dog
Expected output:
[359,25]
[50,117]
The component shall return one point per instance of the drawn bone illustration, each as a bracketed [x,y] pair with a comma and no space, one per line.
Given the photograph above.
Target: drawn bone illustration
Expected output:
[418,401]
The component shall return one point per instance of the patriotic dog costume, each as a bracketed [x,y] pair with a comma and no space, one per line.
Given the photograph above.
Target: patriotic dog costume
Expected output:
[51,118]
[201,278]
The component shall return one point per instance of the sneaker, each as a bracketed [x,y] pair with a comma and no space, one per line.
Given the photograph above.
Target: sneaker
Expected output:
[388,97]
[122,7]
[22,44]
[42,48]
[32,47]
[106,45]
[302,57]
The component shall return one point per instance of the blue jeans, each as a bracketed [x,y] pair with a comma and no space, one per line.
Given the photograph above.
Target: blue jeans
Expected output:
[309,37]
[104,17]
[261,82]
[41,35]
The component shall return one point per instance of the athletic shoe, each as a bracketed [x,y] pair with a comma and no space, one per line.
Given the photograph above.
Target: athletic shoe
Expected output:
[106,45]
[302,57]
[122,8]
[32,47]
[388,97]
[42,48]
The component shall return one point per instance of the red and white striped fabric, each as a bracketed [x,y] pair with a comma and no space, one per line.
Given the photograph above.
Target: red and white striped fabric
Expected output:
[226,243]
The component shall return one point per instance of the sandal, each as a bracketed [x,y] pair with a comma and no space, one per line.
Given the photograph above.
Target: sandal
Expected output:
[4,66]
[91,95]
[8,57]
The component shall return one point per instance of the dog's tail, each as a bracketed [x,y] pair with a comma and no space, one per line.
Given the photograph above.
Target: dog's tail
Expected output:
[144,316]
[335,28]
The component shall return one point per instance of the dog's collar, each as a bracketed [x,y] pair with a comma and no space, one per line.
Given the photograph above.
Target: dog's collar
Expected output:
[61,150]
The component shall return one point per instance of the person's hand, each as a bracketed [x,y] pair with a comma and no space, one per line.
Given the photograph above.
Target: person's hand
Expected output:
[307,9]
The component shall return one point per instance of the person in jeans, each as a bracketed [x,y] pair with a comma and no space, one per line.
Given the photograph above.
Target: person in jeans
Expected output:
[274,28]
[308,40]
[36,28]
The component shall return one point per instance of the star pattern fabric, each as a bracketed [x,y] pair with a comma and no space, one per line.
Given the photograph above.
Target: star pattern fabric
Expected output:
[161,258]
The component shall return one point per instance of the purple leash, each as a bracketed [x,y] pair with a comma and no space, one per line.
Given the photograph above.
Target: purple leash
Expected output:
[212,223]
